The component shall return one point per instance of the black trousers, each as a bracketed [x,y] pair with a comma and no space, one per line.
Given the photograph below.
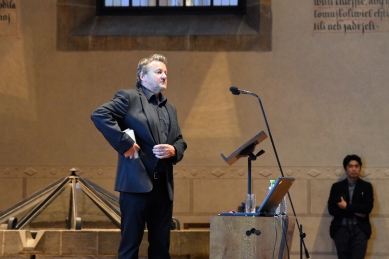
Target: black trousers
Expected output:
[350,242]
[154,208]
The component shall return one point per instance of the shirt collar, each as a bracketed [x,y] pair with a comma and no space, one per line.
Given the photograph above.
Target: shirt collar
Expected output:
[150,94]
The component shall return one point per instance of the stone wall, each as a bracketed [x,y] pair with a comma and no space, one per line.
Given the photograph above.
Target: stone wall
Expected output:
[325,96]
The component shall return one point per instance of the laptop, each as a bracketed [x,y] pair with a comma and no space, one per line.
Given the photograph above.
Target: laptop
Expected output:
[271,202]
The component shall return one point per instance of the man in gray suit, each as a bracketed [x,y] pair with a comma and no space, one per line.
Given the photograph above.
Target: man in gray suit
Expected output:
[145,182]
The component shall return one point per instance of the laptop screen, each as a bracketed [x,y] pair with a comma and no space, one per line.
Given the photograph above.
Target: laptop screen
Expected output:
[275,195]
[271,201]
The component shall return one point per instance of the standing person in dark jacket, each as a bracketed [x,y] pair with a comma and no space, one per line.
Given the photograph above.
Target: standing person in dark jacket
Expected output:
[145,182]
[351,202]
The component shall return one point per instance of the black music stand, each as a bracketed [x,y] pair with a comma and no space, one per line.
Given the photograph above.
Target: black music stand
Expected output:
[247,150]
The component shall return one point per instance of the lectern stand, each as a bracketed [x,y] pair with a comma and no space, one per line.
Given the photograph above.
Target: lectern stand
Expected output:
[247,151]
[239,238]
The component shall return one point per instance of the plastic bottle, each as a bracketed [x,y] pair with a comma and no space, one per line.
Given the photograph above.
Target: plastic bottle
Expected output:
[282,206]
[278,210]
[272,182]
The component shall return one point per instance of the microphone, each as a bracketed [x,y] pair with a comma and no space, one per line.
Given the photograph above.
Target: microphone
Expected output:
[235,91]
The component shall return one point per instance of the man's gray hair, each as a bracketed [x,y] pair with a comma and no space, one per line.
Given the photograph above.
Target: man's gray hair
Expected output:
[143,65]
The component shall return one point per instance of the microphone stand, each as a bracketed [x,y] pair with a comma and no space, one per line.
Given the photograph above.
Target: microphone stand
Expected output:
[302,234]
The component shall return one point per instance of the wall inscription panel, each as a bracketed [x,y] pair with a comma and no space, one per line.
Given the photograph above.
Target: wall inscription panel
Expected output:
[350,16]
[8,21]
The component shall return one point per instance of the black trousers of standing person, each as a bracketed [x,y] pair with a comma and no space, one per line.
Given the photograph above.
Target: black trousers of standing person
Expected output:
[350,242]
[154,208]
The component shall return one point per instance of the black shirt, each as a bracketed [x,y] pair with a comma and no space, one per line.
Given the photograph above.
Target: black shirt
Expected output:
[161,116]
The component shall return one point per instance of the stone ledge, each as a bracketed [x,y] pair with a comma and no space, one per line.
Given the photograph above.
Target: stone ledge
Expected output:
[93,244]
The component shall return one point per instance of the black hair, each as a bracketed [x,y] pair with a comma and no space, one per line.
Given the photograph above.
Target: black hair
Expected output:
[349,158]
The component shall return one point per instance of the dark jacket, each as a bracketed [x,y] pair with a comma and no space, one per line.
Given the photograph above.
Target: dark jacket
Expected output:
[128,110]
[362,202]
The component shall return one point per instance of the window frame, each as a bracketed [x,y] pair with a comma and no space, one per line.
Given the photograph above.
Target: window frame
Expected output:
[80,29]
[102,10]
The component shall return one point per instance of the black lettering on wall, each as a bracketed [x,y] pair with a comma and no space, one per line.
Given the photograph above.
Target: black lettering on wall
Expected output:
[350,16]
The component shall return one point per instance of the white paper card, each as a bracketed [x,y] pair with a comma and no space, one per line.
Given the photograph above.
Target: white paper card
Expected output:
[130,133]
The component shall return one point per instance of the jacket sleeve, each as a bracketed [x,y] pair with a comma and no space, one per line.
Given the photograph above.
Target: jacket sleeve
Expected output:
[363,200]
[333,200]
[180,146]
[179,143]
[107,120]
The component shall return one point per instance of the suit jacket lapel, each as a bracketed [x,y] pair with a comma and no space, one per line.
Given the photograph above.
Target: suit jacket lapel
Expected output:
[345,191]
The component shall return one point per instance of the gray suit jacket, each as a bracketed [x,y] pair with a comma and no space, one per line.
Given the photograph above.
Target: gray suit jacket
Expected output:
[128,110]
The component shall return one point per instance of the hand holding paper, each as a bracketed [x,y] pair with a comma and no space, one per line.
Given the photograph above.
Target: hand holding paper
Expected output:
[130,133]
